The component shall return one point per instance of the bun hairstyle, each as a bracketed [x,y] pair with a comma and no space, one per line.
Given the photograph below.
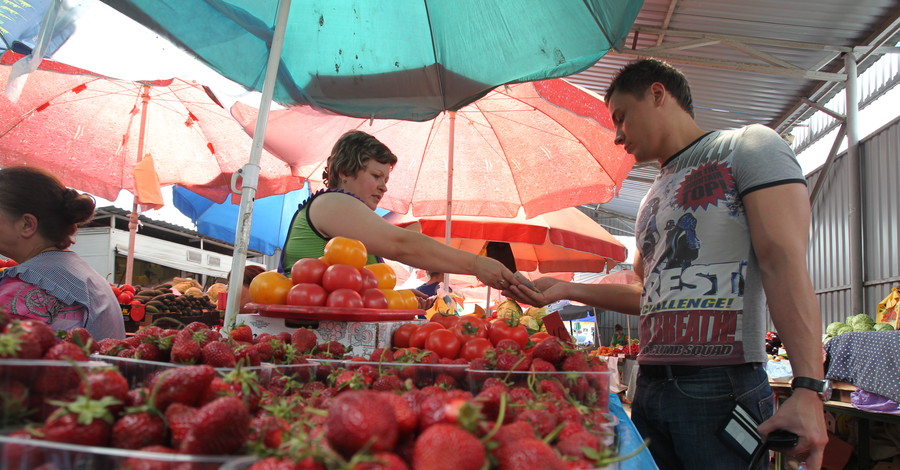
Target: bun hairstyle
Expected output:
[350,153]
[58,209]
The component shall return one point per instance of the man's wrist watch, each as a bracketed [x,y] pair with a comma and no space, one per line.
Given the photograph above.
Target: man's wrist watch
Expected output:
[821,387]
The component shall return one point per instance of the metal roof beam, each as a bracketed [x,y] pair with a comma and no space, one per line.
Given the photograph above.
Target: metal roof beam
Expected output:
[739,66]
[744,39]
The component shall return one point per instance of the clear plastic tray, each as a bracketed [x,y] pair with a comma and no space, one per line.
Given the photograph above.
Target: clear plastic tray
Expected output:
[591,388]
[27,454]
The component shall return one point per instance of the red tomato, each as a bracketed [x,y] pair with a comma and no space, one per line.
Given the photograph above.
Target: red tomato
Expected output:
[344,298]
[341,276]
[501,330]
[374,298]
[400,337]
[125,298]
[443,342]
[449,320]
[308,270]
[307,294]
[368,279]
[343,250]
[270,287]
[116,291]
[126,288]
[475,348]
[469,327]
[417,339]
[539,336]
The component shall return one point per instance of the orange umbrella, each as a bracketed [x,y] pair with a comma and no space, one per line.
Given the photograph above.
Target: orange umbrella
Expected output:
[566,240]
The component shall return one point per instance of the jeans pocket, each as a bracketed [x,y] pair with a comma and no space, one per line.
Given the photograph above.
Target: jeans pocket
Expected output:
[705,386]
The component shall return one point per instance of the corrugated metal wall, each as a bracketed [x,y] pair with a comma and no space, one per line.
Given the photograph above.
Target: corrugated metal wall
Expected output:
[828,255]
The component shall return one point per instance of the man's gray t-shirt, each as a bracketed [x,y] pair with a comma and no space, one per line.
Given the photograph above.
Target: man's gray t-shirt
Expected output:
[703,301]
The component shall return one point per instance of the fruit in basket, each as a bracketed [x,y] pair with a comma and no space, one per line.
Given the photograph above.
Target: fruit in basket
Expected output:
[360,419]
[270,287]
[447,446]
[343,250]
[83,421]
[219,428]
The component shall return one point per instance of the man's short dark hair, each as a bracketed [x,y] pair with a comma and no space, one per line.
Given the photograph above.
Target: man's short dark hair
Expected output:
[636,78]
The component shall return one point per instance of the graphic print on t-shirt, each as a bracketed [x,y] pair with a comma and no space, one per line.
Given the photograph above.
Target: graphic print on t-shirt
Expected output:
[693,292]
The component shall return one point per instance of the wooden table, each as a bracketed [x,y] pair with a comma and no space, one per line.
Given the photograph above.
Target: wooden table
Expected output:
[840,404]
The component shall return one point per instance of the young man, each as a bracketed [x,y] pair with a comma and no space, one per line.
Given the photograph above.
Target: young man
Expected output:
[733,210]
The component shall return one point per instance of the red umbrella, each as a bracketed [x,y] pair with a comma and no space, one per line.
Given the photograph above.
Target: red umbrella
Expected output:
[87,130]
[540,146]
[566,240]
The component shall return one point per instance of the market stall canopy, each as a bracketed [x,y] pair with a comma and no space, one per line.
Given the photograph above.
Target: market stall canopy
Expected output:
[272,216]
[566,240]
[88,130]
[409,59]
[541,146]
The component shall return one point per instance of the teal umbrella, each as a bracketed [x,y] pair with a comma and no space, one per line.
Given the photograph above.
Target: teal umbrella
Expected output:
[402,59]
[399,59]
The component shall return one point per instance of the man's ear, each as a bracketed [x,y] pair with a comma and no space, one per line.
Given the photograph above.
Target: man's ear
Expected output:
[657,91]
[27,225]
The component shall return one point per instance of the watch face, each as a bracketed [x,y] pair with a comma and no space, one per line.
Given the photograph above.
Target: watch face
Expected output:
[826,392]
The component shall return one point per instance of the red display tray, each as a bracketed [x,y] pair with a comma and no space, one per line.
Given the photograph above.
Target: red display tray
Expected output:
[296,312]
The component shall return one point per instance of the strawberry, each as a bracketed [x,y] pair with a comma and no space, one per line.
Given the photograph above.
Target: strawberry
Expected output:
[140,463]
[528,453]
[574,444]
[148,352]
[445,446]
[105,382]
[576,362]
[19,345]
[217,354]
[180,418]
[13,401]
[138,430]
[268,430]
[387,382]
[185,351]
[81,337]
[540,365]
[56,378]
[45,336]
[550,349]
[304,340]
[382,461]
[541,420]
[358,419]
[407,417]
[334,348]
[219,428]
[217,388]
[23,455]
[83,421]
[242,333]
[65,351]
[181,385]
[247,356]
[110,346]
[513,432]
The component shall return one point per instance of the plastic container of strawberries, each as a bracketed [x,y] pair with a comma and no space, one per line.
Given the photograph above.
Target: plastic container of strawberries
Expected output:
[422,375]
[28,385]
[589,387]
[24,454]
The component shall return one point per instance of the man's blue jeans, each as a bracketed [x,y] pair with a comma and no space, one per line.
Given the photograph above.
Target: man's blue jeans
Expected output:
[680,415]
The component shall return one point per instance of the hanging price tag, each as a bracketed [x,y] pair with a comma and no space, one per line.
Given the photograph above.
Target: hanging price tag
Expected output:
[555,327]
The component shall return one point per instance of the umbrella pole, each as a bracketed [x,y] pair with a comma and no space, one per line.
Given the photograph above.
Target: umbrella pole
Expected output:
[449,216]
[250,171]
[133,217]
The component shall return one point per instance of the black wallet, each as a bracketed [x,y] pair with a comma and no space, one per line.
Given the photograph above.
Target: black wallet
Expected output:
[739,432]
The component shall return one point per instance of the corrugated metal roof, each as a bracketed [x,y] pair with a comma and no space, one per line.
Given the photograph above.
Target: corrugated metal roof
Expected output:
[747,62]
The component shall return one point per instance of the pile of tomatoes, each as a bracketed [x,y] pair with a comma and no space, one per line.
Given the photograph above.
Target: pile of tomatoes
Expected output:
[466,337]
[124,293]
[340,278]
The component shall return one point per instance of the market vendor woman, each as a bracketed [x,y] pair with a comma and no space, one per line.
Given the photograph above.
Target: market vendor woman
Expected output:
[356,178]
[38,218]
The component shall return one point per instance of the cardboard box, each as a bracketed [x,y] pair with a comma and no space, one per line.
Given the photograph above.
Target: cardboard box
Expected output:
[364,337]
